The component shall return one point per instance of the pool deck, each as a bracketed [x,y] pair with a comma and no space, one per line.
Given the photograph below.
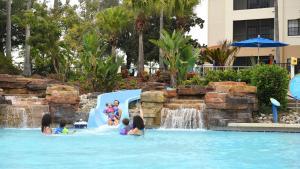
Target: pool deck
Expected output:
[260,127]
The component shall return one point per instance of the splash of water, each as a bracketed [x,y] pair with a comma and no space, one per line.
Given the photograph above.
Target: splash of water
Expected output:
[182,118]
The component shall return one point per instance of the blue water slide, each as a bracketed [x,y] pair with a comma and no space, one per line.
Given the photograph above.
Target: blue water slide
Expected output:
[96,115]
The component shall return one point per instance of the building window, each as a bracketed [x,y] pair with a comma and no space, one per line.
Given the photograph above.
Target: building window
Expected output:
[252,28]
[294,27]
[252,4]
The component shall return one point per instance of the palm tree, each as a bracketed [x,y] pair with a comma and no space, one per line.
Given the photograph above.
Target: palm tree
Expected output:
[161,7]
[27,59]
[181,9]
[223,55]
[172,46]
[8,28]
[142,9]
[112,22]
[276,30]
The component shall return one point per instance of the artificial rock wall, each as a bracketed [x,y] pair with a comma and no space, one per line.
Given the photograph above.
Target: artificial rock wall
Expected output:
[152,103]
[230,102]
[23,101]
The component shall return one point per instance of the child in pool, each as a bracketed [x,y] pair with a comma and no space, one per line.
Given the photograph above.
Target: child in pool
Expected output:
[126,128]
[62,128]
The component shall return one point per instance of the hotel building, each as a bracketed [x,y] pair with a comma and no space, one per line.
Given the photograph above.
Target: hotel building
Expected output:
[238,20]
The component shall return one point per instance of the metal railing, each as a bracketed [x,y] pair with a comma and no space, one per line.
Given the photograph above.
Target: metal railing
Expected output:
[203,69]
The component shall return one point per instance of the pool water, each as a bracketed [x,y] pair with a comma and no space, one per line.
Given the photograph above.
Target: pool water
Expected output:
[159,149]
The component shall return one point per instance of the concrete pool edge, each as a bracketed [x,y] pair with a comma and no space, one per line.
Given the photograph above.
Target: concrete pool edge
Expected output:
[259,127]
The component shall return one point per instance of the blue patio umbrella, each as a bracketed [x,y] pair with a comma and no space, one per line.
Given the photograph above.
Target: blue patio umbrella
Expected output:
[259,42]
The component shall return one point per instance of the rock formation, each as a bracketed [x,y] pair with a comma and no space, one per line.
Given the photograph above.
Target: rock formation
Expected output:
[63,102]
[230,102]
[152,103]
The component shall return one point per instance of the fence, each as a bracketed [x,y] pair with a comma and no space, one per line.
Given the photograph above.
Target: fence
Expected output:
[203,69]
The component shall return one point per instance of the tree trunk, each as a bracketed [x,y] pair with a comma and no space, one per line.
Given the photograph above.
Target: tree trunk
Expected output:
[161,26]
[141,54]
[27,58]
[56,4]
[113,50]
[276,31]
[173,79]
[8,28]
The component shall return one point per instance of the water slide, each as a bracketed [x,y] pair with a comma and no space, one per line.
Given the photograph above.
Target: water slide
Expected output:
[98,118]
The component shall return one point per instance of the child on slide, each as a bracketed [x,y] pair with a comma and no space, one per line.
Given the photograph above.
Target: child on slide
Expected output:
[110,112]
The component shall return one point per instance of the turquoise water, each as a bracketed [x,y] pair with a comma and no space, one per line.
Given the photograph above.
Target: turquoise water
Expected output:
[158,149]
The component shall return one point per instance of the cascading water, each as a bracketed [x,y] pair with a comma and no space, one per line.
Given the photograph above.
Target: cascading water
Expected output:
[16,117]
[182,118]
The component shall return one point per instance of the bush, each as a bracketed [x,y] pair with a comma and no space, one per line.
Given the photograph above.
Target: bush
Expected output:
[125,73]
[145,76]
[271,82]
[6,66]
[229,75]
[196,80]
[133,84]
[213,76]
[245,75]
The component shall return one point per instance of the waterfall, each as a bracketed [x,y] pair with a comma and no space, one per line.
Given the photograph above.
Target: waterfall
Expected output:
[16,117]
[183,118]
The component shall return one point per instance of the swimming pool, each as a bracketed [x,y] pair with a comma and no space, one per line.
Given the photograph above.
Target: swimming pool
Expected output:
[158,149]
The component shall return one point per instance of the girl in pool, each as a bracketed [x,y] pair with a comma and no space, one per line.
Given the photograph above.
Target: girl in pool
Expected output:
[46,122]
[138,126]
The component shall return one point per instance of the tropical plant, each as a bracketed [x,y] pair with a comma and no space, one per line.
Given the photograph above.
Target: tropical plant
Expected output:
[177,53]
[182,9]
[107,73]
[112,22]
[196,80]
[223,55]
[141,9]
[188,57]
[100,70]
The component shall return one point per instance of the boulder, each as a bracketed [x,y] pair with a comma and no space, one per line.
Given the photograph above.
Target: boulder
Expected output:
[191,90]
[214,97]
[170,93]
[242,90]
[12,84]
[224,87]
[153,97]
[63,111]
[62,94]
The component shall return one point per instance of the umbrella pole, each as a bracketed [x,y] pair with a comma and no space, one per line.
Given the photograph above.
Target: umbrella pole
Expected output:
[258,55]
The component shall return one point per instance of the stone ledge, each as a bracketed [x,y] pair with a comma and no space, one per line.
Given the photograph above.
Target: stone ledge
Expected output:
[259,127]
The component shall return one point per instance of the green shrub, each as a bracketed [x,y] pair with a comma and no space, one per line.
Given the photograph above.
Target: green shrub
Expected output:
[6,66]
[271,82]
[133,83]
[213,76]
[196,80]
[229,75]
[122,84]
[245,75]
